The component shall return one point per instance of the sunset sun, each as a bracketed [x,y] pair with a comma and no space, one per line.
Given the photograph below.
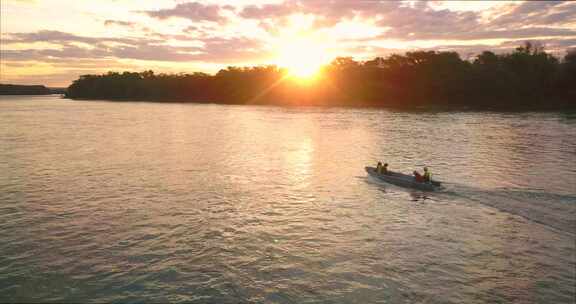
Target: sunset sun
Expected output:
[302,56]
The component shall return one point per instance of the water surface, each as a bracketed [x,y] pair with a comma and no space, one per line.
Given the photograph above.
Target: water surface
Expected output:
[149,202]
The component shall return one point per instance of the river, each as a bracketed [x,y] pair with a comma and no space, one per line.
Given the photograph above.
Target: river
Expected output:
[200,203]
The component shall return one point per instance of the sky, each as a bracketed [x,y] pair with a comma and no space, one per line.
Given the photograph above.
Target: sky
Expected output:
[53,42]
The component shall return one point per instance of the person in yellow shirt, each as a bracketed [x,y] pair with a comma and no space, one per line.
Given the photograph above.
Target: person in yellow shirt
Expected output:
[427,175]
[382,169]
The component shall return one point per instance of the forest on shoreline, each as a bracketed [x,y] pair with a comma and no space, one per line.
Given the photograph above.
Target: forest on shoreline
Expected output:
[15,89]
[527,78]
[20,89]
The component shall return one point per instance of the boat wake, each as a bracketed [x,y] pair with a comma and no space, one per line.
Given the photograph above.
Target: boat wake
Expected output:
[557,211]
[554,210]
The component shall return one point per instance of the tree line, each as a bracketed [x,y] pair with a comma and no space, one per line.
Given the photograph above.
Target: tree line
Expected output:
[527,77]
[16,89]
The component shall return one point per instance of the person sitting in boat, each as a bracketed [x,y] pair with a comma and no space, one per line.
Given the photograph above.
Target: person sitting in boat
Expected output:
[427,175]
[418,177]
[385,169]
[382,169]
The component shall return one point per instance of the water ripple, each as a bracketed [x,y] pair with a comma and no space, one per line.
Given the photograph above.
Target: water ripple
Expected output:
[143,202]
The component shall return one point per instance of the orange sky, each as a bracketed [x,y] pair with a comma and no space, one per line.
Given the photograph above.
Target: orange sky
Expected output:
[52,42]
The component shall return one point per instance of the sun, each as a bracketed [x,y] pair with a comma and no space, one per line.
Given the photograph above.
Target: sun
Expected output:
[302,55]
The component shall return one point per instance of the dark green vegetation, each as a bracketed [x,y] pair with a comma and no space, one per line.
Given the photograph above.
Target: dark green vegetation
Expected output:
[13,89]
[528,78]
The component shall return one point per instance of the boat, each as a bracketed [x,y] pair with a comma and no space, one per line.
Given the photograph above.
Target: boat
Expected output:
[404,180]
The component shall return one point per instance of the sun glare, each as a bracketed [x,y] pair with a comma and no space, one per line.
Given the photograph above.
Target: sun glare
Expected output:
[302,56]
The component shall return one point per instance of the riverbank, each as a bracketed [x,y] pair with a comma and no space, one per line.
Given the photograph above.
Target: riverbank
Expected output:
[13,89]
[554,106]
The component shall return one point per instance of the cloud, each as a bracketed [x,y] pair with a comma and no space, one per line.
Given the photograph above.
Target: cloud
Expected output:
[326,13]
[214,49]
[420,21]
[58,37]
[535,13]
[140,51]
[232,49]
[523,33]
[45,54]
[193,11]
[120,23]
[405,22]
[524,20]
[214,37]
[330,9]
[270,10]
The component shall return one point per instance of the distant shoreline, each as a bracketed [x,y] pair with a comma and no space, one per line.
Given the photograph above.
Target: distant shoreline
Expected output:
[19,89]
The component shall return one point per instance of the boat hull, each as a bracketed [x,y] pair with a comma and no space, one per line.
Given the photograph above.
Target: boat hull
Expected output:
[404,180]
